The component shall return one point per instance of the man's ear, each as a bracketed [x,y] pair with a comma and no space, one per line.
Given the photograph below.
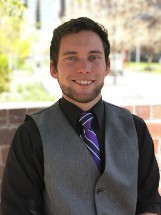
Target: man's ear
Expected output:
[107,67]
[53,71]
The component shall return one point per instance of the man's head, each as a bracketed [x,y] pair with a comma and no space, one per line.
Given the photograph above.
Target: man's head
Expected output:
[75,26]
[80,61]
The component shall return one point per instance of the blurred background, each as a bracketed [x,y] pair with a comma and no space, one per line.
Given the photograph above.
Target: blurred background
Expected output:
[134,28]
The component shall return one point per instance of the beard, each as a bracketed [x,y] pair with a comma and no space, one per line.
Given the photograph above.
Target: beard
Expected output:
[80,97]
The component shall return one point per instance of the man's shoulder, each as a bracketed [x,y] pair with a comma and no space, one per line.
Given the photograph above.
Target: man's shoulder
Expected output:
[44,110]
[115,107]
[138,120]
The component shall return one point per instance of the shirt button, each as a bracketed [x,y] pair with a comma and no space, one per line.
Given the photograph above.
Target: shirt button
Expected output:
[100,190]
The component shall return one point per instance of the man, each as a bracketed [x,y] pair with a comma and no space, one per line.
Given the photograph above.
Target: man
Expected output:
[56,165]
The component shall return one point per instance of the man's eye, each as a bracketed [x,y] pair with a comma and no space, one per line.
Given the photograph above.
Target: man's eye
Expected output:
[94,57]
[72,58]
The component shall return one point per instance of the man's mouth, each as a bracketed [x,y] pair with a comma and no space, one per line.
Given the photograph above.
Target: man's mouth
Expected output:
[83,82]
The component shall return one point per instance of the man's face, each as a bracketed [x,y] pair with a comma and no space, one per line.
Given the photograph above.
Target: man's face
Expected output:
[81,67]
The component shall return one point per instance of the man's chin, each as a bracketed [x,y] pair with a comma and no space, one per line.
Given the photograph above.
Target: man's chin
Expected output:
[83,98]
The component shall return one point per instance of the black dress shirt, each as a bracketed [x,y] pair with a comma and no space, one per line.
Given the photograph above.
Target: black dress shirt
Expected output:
[72,113]
[23,179]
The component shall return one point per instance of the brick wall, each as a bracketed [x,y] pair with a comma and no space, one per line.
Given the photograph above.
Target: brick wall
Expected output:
[10,119]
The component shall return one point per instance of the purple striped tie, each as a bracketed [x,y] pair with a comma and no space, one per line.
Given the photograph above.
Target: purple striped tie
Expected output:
[89,137]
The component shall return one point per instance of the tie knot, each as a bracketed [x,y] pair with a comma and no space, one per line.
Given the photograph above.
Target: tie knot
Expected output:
[86,119]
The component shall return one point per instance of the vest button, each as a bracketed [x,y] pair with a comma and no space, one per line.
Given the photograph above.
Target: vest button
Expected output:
[100,190]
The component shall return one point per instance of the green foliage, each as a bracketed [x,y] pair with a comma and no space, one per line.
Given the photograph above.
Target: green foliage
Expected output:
[15,41]
[143,67]
[33,92]
[30,92]
[13,8]
[4,73]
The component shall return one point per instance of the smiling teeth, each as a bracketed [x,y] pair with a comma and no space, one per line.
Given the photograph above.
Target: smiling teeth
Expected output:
[83,82]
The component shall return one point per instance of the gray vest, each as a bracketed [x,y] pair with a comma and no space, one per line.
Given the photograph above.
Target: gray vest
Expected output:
[73,184]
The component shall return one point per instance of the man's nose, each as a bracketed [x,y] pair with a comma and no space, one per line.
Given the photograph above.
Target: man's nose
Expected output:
[84,66]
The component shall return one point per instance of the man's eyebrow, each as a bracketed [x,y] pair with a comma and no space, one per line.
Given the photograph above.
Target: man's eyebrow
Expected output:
[69,53]
[74,52]
[95,52]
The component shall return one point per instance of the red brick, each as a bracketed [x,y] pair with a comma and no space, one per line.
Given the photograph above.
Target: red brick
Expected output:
[143,111]
[4,153]
[3,112]
[156,145]
[155,129]
[3,117]
[17,116]
[156,112]
[6,135]
[130,108]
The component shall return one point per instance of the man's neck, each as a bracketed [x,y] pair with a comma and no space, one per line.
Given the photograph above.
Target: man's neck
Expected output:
[83,106]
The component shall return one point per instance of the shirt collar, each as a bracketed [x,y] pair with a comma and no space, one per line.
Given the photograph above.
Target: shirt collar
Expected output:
[98,110]
[72,112]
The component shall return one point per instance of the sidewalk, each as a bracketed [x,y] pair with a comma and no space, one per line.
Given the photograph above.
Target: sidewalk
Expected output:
[133,88]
